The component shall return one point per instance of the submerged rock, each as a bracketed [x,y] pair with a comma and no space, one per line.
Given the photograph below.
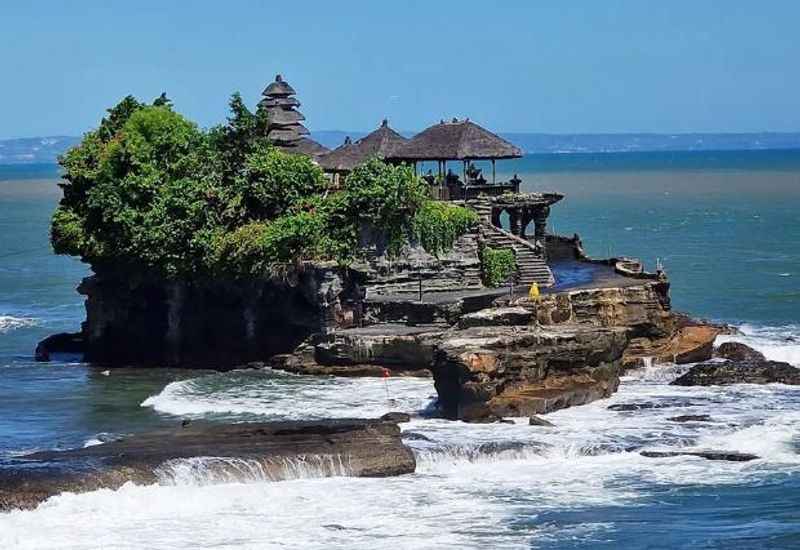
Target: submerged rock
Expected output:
[396,417]
[732,456]
[691,418]
[626,407]
[749,372]
[735,351]
[64,342]
[218,452]
[539,421]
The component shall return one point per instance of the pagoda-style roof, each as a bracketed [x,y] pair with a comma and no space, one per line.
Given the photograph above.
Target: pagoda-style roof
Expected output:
[456,140]
[292,133]
[278,88]
[381,143]
[280,101]
[283,117]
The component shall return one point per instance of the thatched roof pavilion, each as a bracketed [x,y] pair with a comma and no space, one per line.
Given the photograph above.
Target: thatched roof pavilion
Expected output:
[284,129]
[457,140]
[380,143]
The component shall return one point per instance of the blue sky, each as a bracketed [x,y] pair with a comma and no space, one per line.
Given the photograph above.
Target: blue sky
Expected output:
[542,66]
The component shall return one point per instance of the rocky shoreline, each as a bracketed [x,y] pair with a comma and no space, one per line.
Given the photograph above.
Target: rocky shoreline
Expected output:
[268,451]
[491,354]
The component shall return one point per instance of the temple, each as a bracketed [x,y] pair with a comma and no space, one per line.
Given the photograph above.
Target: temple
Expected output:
[285,129]
[511,217]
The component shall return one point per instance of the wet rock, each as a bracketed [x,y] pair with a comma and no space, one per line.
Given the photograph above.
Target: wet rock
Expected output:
[689,341]
[727,372]
[691,418]
[366,448]
[737,352]
[416,436]
[301,363]
[64,342]
[484,372]
[639,406]
[387,345]
[539,421]
[732,456]
[396,417]
[497,447]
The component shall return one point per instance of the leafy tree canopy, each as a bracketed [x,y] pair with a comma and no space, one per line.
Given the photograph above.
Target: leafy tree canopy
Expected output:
[149,191]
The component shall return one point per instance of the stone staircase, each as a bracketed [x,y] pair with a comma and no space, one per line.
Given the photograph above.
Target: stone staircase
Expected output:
[531,265]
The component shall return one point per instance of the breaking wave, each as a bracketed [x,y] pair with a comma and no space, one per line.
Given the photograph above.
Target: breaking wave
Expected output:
[9,323]
[201,471]
[776,343]
[269,394]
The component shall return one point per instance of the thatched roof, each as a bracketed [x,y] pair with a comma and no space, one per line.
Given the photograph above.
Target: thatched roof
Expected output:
[456,140]
[380,143]
[280,101]
[283,117]
[289,133]
[278,88]
[284,130]
[305,146]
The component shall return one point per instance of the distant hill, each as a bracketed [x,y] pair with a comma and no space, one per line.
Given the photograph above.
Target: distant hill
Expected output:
[533,143]
[45,150]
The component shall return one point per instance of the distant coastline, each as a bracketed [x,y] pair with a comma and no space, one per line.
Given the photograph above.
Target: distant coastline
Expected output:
[45,150]
[772,160]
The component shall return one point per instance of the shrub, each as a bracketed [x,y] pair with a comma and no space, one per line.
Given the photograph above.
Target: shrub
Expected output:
[497,265]
[437,225]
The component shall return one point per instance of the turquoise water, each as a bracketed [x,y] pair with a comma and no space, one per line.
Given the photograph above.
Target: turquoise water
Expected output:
[725,225]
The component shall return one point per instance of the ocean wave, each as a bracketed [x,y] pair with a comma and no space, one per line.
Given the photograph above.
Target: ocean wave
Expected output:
[200,471]
[9,323]
[280,396]
[777,343]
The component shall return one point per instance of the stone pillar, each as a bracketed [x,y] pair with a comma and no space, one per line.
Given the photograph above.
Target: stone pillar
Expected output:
[527,216]
[540,223]
[514,220]
[496,217]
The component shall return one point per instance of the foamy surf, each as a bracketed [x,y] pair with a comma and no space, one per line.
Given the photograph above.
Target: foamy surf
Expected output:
[275,395]
[776,343]
[474,484]
[9,323]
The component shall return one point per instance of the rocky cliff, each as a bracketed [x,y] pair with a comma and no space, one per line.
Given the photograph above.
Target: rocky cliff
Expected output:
[214,323]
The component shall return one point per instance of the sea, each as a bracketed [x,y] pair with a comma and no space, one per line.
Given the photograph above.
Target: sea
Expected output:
[724,225]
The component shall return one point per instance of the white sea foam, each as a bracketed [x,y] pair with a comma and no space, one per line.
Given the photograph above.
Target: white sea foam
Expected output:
[9,323]
[201,471]
[279,395]
[473,482]
[776,343]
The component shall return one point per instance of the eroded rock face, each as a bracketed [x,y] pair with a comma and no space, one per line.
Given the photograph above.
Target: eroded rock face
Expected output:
[687,344]
[498,317]
[365,448]
[643,309]
[214,323]
[484,372]
[747,372]
[379,350]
